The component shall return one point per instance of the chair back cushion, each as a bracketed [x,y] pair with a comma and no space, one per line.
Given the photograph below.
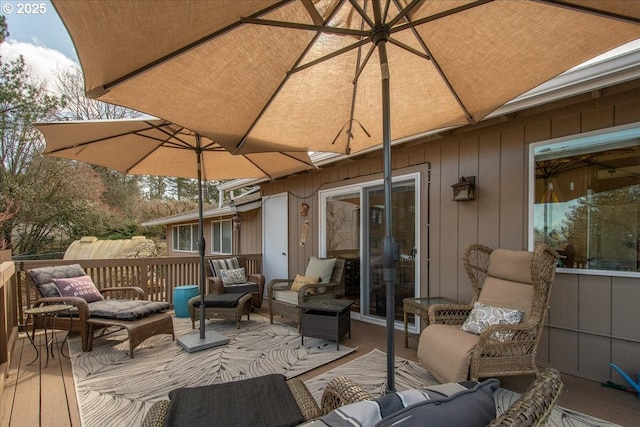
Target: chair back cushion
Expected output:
[508,283]
[320,267]
[467,403]
[513,266]
[223,264]
[43,277]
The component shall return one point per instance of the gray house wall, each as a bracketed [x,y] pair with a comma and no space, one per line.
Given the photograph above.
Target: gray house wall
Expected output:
[593,319]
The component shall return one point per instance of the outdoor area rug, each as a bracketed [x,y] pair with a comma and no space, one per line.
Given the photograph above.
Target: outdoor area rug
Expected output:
[115,390]
[370,372]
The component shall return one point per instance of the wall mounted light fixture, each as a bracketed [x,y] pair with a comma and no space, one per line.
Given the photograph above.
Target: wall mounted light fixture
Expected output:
[464,189]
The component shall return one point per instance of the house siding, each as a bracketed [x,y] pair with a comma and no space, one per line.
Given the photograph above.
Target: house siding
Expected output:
[593,319]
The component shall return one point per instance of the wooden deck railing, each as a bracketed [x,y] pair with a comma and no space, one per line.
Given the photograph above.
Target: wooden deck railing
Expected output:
[156,276]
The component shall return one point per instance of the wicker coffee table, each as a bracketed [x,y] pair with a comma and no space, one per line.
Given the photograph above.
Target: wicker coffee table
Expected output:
[326,319]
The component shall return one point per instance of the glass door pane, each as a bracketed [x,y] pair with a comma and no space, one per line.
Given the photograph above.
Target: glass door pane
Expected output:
[342,233]
[404,231]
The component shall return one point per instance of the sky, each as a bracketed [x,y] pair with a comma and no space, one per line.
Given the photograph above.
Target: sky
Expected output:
[39,36]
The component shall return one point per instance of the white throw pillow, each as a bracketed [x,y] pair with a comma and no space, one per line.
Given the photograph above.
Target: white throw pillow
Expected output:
[233,276]
[483,315]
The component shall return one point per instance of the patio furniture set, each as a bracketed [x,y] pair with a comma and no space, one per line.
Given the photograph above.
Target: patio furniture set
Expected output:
[496,334]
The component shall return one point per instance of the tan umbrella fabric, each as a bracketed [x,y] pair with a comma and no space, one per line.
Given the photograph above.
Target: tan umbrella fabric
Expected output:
[205,65]
[157,147]
[334,75]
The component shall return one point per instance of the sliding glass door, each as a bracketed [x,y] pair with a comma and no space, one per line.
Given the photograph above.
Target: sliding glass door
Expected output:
[352,228]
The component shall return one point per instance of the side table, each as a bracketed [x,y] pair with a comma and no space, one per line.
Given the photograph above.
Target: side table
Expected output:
[326,319]
[47,312]
[420,306]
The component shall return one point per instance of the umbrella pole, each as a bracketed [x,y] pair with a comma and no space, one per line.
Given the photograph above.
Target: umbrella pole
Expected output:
[192,342]
[389,246]
[201,242]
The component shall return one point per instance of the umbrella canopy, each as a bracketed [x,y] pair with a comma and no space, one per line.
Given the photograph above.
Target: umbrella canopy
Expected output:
[158,147]
[264,75]
[334,75]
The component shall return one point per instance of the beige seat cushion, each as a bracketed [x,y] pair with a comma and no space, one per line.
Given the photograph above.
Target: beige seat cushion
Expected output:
[290,297]
[445,351]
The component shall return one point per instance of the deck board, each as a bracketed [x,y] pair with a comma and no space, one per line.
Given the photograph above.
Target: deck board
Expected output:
[35,396]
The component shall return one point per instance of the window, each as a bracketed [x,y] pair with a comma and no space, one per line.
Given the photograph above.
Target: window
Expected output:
[185,237]
[586,199]
[221,237]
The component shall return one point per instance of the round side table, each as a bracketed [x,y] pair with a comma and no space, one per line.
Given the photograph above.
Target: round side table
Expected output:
[181,297]
[47,313]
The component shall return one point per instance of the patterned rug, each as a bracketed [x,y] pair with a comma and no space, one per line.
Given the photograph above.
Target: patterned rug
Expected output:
[370,372]
[115,390]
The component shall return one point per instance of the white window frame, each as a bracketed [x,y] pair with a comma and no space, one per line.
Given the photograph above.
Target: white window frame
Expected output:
[194,238]
[219,248]
[617,136]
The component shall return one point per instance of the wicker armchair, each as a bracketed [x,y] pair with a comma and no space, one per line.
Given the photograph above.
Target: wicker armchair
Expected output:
[254,283]
[278,289]
[535,404]
[502,278]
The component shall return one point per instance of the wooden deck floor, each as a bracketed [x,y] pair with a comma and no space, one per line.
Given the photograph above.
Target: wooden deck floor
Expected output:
[39,396]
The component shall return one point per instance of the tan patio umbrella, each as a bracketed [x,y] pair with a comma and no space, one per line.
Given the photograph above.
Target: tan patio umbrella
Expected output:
[157,147]
[334,75]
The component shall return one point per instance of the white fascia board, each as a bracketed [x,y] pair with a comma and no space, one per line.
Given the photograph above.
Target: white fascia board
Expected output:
[191,216]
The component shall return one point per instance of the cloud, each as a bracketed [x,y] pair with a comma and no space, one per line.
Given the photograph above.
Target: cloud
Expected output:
[43,62]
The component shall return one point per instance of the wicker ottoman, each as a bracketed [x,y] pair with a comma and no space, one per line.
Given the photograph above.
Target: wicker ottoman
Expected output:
[225,306]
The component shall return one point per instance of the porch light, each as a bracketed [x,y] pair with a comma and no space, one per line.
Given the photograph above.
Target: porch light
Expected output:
[464,189]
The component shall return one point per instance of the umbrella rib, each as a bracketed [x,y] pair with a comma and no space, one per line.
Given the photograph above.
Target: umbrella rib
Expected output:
[99,91]
[439,15]
[93,141]
[362,13]
[308,27]
[590,10]
[435,63]
[403,12]
[284,80]
[331,55]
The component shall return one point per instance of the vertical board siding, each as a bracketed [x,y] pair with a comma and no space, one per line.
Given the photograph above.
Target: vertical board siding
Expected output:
[593,319]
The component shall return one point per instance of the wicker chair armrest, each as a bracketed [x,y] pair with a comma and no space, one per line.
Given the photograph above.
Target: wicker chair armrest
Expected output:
[304,399]
[449,314]
[156,415]
[79,303]
[215,285]
[256,278]
[278,285]
[341,391]
[507,339]
[138,291]
[535,404]
[304,290]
